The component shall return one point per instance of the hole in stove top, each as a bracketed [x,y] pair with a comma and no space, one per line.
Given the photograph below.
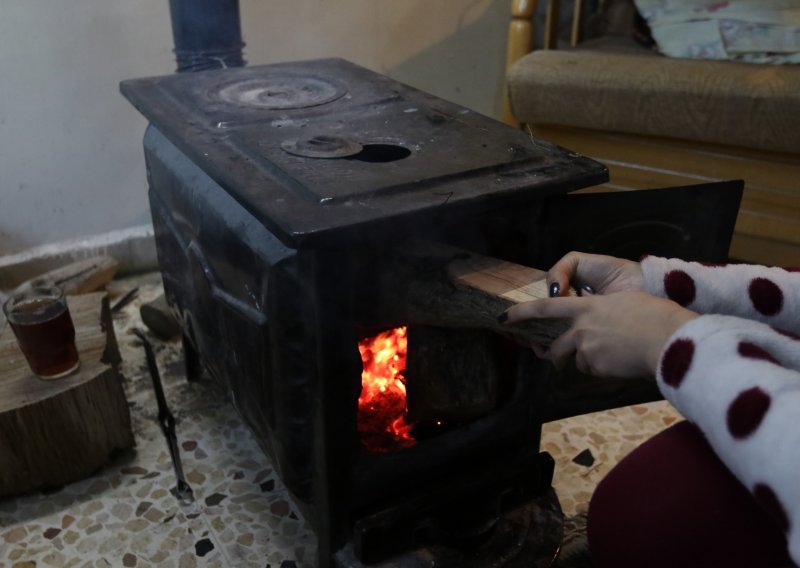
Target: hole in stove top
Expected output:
[379,153]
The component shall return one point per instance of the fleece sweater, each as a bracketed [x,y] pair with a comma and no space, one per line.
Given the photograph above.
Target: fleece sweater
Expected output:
[735,372]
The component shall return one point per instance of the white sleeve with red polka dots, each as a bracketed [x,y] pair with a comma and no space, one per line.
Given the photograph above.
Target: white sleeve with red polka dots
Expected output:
[738,379]
[771,295]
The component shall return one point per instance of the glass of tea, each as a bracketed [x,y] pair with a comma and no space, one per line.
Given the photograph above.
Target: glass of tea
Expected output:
[41,321]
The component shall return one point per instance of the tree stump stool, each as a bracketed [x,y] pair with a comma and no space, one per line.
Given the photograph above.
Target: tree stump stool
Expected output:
[53,432]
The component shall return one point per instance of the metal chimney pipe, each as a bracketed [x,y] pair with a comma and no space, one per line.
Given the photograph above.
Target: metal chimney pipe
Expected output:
[207,34]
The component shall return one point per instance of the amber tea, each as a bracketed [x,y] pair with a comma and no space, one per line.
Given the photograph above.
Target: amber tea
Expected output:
[44,330]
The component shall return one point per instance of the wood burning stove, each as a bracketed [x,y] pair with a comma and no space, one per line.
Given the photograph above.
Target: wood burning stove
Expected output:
[280,195]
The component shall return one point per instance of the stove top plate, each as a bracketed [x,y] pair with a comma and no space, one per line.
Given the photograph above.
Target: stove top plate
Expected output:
[419,154]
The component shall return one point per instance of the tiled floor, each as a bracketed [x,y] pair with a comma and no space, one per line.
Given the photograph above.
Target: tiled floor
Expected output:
[242,515]
[609,436]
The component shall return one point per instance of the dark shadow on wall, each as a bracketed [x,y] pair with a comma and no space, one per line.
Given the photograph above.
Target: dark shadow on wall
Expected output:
[467,67]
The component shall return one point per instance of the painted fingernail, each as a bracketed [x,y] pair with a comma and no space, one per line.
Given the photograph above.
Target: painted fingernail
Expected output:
[502,318]
[539,350]
[555,288]
[588,289]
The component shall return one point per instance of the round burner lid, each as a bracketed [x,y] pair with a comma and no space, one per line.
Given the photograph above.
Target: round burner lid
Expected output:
[277,92]
[322,146]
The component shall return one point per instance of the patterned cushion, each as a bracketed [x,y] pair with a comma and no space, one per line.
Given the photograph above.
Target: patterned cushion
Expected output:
[640,92]
[757,31]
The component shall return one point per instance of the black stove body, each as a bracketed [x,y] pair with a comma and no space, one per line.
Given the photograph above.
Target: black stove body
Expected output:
[275,193]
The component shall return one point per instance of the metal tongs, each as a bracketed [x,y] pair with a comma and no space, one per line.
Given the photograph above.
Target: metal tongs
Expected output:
[182,490]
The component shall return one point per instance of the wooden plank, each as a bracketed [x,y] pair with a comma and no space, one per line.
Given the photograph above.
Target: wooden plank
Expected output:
[78,277]
[499,278]
[428,283]
[769,253]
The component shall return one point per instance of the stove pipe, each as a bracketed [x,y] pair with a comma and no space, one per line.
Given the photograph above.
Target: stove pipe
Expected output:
[207,34]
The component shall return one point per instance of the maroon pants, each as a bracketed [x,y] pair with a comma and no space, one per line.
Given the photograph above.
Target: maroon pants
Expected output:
[673,503]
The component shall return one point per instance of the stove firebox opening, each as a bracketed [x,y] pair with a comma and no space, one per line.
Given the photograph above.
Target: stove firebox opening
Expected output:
[420,381]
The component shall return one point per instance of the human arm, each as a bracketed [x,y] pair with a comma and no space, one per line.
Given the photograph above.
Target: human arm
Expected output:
[737,379]
[766,294]
[620,335]
[769,295]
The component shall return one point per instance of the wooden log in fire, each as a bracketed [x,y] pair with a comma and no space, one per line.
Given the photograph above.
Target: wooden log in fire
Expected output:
[450,374]
[438,285]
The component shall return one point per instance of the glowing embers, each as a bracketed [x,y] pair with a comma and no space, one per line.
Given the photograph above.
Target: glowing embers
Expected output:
[382,408]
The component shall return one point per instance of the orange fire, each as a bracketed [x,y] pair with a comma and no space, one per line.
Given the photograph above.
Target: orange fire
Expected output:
[382,405]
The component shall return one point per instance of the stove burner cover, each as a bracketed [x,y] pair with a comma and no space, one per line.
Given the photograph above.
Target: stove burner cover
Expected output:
[322,146]
[279,92]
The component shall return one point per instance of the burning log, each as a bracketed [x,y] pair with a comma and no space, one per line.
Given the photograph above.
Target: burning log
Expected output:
[428,283]
[452,375]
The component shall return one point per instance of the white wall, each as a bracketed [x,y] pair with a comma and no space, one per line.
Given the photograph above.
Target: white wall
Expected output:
[70,146]
[455,49]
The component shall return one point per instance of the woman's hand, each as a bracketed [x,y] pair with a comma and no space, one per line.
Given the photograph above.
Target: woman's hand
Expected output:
[620,335]
[605,274]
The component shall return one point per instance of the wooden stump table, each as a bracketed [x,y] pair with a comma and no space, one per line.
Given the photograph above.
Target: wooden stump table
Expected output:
[53,432]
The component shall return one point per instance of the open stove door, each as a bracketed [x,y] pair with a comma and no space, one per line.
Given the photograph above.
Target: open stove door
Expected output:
[693,223]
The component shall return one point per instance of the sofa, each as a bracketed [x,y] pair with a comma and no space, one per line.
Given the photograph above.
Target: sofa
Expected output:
[657,121]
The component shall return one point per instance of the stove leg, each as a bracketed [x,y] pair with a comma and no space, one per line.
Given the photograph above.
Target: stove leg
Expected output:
[191,359]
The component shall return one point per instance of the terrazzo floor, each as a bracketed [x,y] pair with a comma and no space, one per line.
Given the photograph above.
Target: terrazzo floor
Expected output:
[242,515]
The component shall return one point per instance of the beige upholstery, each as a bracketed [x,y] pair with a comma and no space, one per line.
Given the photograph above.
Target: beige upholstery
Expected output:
[637,91]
